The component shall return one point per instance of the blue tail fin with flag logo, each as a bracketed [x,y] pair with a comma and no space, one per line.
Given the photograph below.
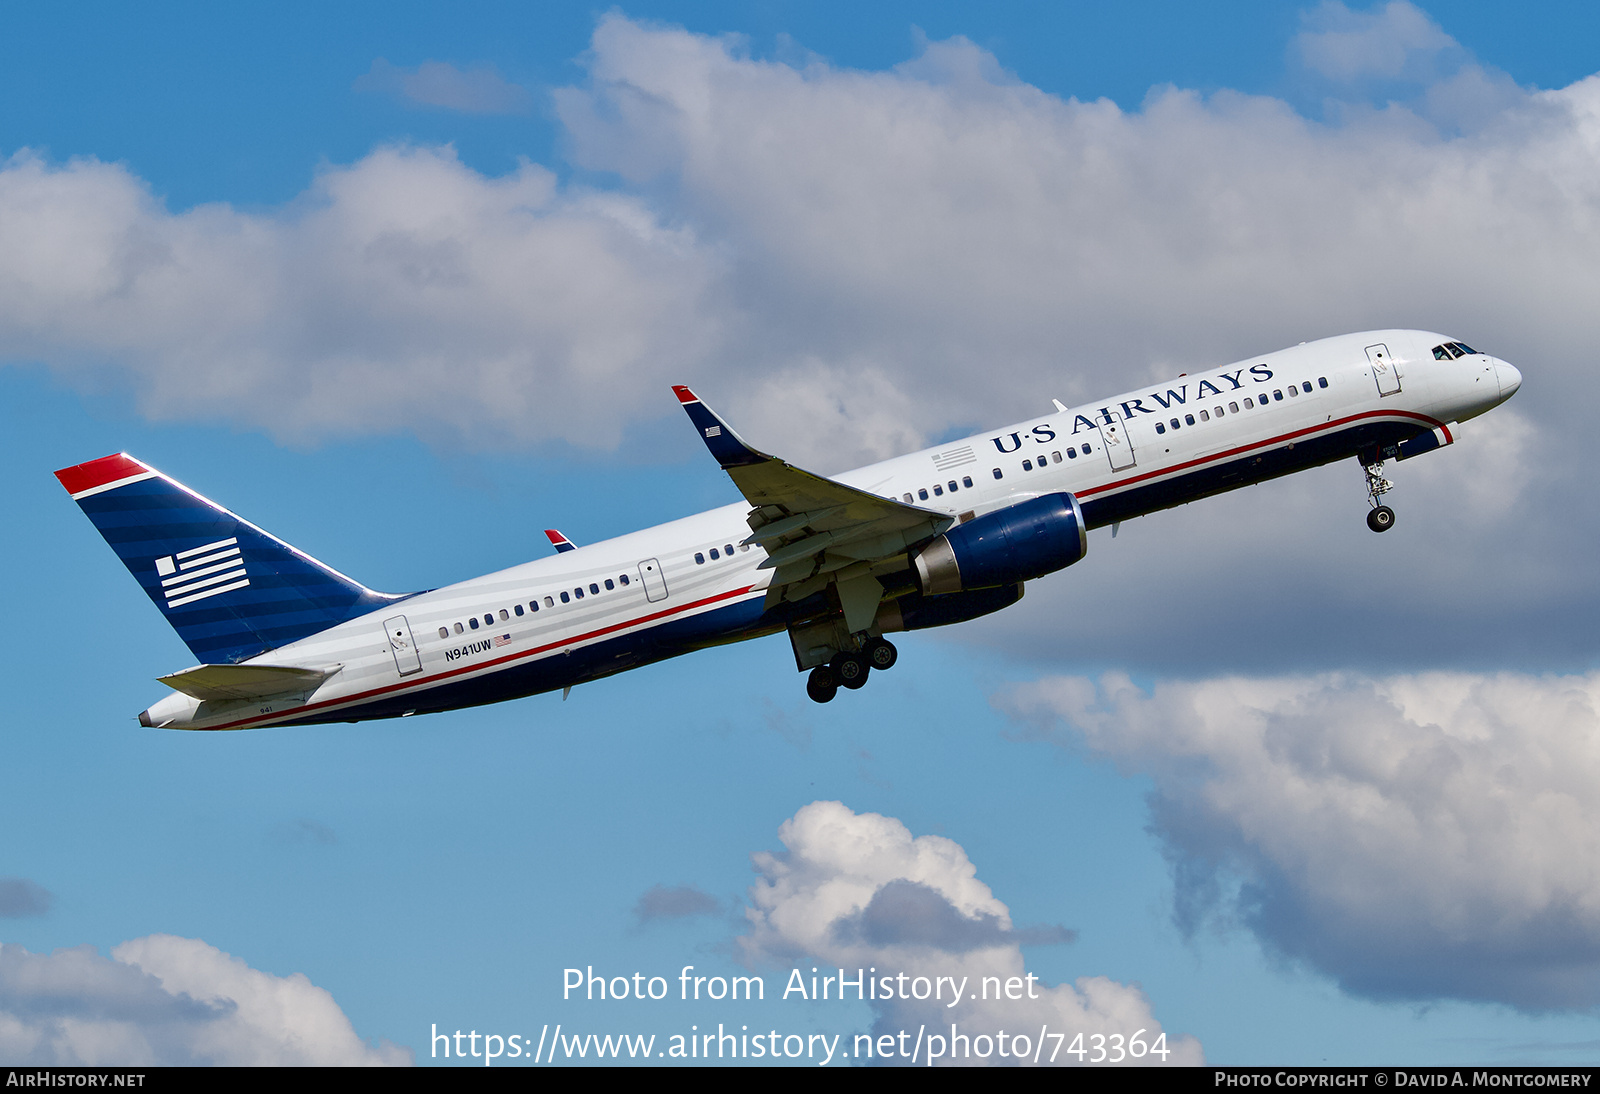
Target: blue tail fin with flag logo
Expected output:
[230,590]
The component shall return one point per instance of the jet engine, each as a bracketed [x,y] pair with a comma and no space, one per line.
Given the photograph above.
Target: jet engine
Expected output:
[1017,543]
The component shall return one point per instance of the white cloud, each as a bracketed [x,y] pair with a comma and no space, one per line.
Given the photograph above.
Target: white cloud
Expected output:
[476,89]
[1391,41]
[858,891]
[1414,837]
[163,1000]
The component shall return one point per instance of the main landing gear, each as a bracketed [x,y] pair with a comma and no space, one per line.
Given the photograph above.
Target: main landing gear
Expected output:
[1381,518]
[850,669]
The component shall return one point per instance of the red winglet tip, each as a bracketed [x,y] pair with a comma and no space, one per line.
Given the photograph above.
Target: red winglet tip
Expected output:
[87,476]
[684,394]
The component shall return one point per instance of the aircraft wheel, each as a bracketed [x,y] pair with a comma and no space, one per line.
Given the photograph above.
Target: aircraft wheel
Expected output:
[820,686]
[850,669]
[1381,519]
[882,654]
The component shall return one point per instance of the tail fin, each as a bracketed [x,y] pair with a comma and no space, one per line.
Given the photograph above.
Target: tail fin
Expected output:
[230,590]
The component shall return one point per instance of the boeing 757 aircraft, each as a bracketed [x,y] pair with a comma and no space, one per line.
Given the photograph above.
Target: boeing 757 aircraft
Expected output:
[935,537]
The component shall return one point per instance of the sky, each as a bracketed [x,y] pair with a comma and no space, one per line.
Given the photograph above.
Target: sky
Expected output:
[406,284]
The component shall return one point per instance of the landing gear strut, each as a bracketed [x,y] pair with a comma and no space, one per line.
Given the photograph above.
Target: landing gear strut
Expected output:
[849,669]
[1381,518]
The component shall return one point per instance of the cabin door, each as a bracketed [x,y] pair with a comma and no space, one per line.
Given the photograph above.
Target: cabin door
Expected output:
[1114,439]
[401,644]
[1383,369]
[655,585]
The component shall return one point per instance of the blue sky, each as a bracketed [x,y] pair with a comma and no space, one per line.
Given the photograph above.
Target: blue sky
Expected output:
[405,285]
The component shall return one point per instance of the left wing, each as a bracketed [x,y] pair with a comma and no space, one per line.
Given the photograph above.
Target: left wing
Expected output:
[816,532]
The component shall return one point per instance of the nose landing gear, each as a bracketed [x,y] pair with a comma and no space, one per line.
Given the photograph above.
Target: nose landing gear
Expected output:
[1381,518]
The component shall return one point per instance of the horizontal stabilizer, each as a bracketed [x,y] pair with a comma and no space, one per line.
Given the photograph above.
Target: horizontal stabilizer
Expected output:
[224,682]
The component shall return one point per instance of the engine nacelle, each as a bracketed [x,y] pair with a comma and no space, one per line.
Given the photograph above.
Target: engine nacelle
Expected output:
[1017,543]
[914,612]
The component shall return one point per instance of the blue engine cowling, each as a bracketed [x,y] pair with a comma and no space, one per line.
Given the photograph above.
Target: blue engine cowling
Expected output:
[1017,543]
[914,611]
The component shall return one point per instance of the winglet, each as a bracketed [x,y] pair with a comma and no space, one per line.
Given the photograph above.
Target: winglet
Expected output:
[559,541]
[727,446]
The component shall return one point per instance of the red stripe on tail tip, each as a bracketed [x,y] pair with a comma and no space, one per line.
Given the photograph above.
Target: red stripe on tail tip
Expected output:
[684,394]
[87,476]
[556,537]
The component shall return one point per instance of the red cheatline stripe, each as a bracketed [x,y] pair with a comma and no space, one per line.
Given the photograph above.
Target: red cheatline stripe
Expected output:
[87,476]
[684,394]
[568,641]
[1432,423]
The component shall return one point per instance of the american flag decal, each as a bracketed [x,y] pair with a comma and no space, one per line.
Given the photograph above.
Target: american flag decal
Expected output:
[201,572]
[714,431]
[502,640]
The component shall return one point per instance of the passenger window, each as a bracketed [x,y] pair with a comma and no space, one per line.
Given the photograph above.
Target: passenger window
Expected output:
[1293,391]
[549,602]
[715,554]
[1072,453]
[997,473]
[938,491]
[1188,419]
[566,597]
[488,621]
[1305,386]
[504,615]
[1204,417]
[1160,428]
[623,578]
[533,605]
[1055,457]
[444,632]
[594,588]
[922,493]
[966,480]
[1027,465]
[699,559]
[1322,381]
[1277,395]
[1248,405]
[609,585]
[1235,406]
[517,608]
[727,549]
[459,628]
[578,592]
[910,499]
[1085,449]
[473,622]
[1175,424]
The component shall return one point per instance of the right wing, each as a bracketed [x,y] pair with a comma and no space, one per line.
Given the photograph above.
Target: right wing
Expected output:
[816,532]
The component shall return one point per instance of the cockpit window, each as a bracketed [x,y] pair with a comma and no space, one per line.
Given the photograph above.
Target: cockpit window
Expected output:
[1451,350]
[1463,347]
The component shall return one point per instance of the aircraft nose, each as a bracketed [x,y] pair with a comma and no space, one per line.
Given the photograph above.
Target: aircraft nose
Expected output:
[1509,378]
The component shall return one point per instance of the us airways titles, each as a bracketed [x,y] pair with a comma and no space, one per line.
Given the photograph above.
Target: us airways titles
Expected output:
[1044,432]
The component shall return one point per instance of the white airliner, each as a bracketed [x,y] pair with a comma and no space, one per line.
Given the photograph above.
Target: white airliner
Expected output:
[935,537]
